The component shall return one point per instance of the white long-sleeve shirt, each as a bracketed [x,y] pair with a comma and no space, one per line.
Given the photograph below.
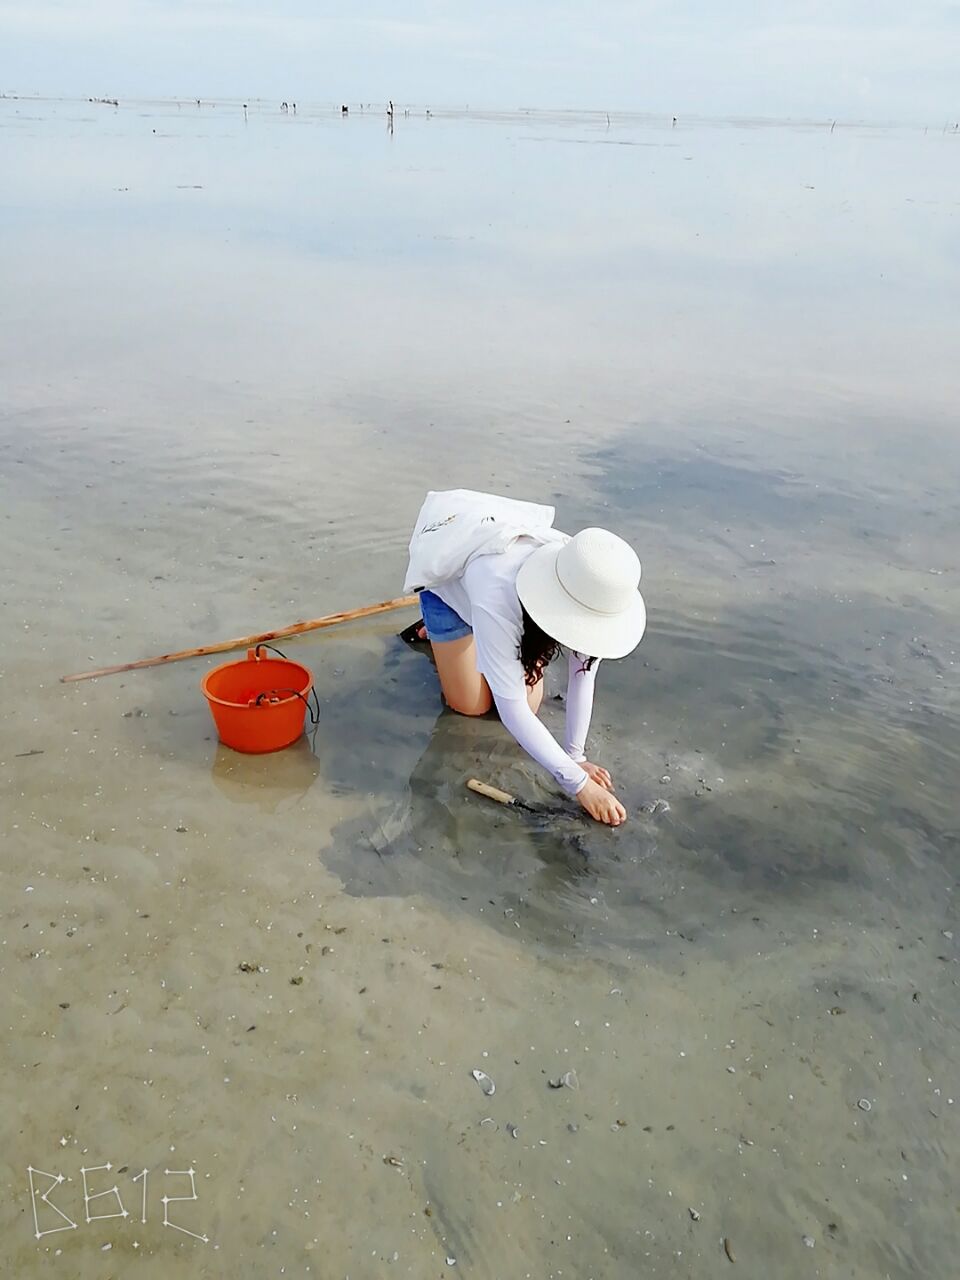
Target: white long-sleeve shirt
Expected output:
[485,596]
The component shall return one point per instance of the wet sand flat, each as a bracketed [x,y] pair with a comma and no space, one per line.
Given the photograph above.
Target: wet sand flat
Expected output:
[234,355]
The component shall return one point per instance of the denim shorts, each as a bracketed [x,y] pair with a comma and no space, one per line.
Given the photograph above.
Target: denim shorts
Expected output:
[442,622]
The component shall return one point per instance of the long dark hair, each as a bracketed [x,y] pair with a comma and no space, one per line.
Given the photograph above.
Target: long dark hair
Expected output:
[537,650]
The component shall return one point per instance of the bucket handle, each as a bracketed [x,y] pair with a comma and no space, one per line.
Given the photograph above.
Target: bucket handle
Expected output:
[254,653]
[312,706]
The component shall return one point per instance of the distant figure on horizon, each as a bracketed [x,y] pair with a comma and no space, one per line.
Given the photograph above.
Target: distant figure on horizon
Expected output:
[344,111]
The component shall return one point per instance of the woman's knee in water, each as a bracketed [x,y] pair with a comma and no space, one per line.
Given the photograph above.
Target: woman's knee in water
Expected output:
[478,705]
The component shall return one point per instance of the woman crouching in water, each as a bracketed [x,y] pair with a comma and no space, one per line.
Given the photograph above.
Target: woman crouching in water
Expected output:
[502,594]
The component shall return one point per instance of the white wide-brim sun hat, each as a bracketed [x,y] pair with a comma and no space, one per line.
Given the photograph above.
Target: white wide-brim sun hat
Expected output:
[584,593]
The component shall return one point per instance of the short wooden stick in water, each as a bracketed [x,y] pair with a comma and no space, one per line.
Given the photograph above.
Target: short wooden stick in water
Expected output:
[492,793]
[243,642]
[514,802]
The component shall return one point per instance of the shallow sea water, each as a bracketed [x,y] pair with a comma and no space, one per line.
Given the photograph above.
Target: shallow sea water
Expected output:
[234,353]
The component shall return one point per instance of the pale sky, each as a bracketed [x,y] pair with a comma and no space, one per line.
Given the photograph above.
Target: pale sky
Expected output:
[851,59]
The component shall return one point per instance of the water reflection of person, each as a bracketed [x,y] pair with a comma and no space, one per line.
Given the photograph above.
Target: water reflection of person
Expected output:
[501,593]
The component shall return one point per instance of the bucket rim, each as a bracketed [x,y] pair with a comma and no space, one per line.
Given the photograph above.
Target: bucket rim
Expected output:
[242,662]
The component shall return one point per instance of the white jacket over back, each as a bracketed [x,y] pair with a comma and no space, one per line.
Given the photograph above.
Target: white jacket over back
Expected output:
[456,525]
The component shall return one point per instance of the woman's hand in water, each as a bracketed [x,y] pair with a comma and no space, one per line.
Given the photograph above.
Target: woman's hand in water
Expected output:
[596,773]
[601,804]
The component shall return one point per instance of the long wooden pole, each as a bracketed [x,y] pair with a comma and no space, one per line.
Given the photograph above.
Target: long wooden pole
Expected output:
[224,646]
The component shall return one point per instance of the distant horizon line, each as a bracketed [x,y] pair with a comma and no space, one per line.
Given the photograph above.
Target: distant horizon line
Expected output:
[450,109]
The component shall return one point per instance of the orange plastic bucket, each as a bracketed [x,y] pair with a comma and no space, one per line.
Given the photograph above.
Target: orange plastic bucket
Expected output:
[259,704]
